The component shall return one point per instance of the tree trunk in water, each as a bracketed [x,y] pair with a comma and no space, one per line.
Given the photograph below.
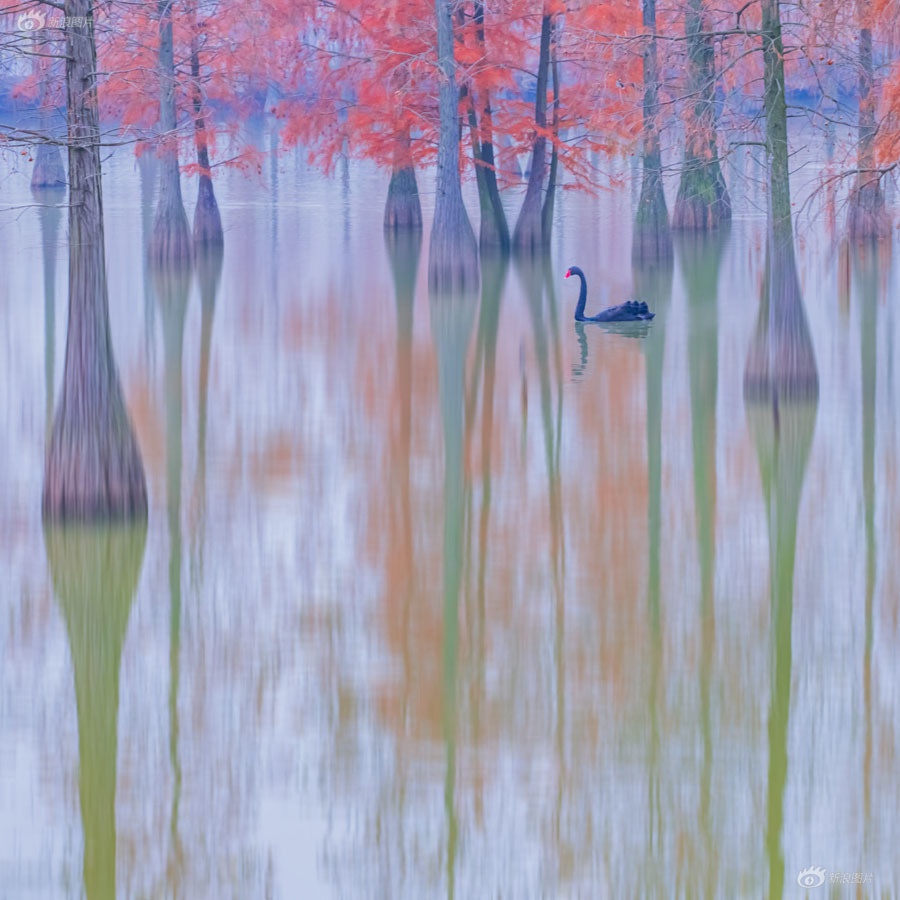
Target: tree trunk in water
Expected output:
[207,220]
[703,200]
[48,168]
[781,365]
[781,399]
[453,250]
[494,232]
[781,391]
[550,198]
[776,125]
[93,467]
[866,217]
[402,210]
[170,242]
[782,362]
[652,238]
[529,236]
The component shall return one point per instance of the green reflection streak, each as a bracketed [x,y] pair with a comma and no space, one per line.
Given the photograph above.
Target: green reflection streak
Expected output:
[533,274]
[559,578]
[452,319]
[865,267]
[556,343]
[781,398]
[493,278]
[172,286]
[652,283]
[403,249]
[209,271]
[95,570]
[700,255]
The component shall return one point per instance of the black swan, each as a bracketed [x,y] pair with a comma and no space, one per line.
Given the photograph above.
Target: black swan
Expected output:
[630,311]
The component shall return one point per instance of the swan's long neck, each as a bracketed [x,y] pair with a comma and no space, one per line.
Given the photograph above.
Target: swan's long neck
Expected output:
[582,298]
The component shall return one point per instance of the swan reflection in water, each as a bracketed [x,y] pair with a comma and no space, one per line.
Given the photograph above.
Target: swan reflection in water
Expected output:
[631,330]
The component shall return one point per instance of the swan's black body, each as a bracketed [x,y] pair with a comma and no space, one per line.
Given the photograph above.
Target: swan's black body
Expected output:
[630,311]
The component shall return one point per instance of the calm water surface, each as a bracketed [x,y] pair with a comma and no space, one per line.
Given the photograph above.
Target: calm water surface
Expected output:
[450,596]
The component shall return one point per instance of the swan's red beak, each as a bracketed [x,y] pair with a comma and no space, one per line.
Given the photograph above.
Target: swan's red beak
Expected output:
[568,272]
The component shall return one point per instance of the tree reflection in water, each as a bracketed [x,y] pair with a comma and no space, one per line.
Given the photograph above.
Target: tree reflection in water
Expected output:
[781,394]
[95,571]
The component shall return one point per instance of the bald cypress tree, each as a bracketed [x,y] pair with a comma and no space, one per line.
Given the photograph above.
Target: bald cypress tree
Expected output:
[652,238]
[703,201]
[453,250]
[93,466]
[170,241]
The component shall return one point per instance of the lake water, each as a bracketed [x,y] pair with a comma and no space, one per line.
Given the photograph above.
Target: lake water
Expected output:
[450,597]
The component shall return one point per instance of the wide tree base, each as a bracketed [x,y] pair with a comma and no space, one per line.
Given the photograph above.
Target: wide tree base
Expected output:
[207,219]
[49,171]
[785,382]
[651,241]
[702,203]
[529,238]
[453,252]
[170,240]
[867,217]
[493,239]
[93,471]
[170,244]
[696,214]
[402,209]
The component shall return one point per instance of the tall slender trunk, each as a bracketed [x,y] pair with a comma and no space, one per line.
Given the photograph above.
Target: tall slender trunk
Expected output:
[93,466]
[652,239]
[550,198]
[170,242]
[782,358]
[453,250]
[703,200]
[48,169]
[776,122]
[207,219]
[866,216]
[494,232]
[529,236]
